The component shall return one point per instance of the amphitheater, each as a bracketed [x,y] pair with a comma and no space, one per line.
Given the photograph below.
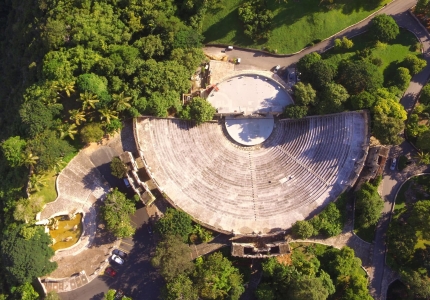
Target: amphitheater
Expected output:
[261,189]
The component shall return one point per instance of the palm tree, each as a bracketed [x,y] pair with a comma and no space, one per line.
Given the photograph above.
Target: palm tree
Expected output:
[88,99]
[121,102]
[36,182]
[64,86]
[108,114]
[59,165]
[29,160]
[77,116]
[66,129]
[423,158]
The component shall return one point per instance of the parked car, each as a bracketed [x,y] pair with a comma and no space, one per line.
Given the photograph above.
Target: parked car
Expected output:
[120,253]
[126,182]
[110,272]
[393,164]
[277,68]
[230,48]
[116,259]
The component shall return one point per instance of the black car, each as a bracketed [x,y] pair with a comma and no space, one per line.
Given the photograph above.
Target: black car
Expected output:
[120,253]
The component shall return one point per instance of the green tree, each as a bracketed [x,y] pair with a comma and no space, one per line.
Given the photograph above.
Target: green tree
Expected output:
[304,94]
[108,114]
[416,283]
[175,222]
[118,168]
[414,64]
[295,111]
[423,141]
[304,64]
[332,98]
[91,133]
[368,205]
[402,78]
[387,129]
[172,258]
[116,211]
[343,43]
[359,76]
[217,278]
[48,148]
[303,229]
[121,102]
[93,84]
[77,116]
[27,208]
[308,288]
[425,95]
[181,287]
[13,150]
[320,74]
[423,158]
[201,110]
[256,19]
[384,28]
[362,100]
[66,129]
[89,100]
[24,292]
[18,254]
[420,217]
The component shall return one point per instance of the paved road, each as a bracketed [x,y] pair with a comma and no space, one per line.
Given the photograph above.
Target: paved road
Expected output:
[136,277]
[266,62]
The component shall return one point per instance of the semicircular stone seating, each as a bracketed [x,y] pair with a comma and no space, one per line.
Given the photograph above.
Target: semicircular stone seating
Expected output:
[300,168]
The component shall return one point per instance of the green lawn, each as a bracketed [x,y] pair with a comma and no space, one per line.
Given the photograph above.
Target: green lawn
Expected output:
[48,192]
[391,54]
[296,23]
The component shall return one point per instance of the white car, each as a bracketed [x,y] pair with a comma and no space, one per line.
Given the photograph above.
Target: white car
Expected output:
[115,258]
[393,164]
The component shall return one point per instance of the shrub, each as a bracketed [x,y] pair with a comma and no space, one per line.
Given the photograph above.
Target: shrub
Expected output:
[402,162]
[384,28]
[414,64]
[118,169]
[303,229]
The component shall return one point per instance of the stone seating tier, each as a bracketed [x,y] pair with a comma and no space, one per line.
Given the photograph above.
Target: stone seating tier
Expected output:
[301,167]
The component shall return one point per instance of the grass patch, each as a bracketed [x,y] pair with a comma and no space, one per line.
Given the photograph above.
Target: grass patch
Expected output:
[390,54]
[366,234]
[48,192]
[295,25]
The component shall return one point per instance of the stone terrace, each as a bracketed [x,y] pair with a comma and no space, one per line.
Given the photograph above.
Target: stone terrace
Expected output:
[303,166]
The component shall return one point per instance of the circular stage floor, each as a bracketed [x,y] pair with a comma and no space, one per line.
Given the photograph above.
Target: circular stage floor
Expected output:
[249,131]
[249,94]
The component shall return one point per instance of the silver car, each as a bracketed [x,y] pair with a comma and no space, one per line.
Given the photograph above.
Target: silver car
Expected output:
[115,258]
[393,164]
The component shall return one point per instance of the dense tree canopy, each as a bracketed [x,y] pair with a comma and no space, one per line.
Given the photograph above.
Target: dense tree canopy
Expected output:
[116,212]
[368,205]
[384,28]
[172,257]
[359,76]
[175,222]
[18,254]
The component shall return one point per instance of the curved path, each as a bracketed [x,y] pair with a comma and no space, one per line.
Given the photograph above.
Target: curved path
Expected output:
[263,61]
